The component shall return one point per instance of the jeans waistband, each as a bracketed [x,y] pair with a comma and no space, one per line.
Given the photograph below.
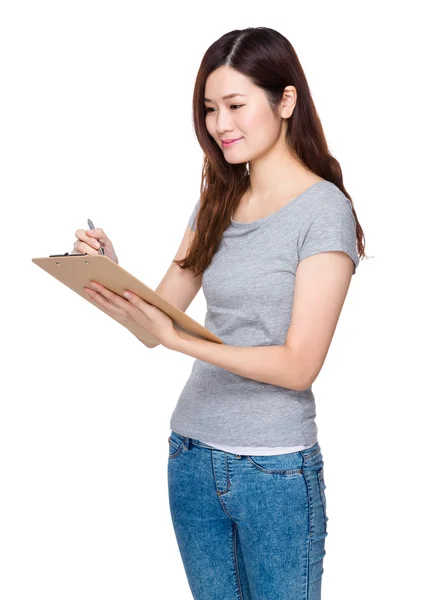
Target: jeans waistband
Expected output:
[187,441]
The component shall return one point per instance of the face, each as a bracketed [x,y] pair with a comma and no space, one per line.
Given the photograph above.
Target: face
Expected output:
[247,117]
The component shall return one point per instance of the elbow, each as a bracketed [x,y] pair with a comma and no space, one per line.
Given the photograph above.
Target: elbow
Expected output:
[302,373]
[307,377]
[299,385]
[303,385]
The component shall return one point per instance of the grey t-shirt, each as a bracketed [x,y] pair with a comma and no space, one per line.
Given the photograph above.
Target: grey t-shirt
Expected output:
[249,289]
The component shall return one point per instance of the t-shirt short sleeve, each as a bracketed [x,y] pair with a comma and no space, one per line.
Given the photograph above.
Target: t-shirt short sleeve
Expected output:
[192,219]
[331,226]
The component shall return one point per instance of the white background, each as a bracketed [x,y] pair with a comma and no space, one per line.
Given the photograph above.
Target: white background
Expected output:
[96,122]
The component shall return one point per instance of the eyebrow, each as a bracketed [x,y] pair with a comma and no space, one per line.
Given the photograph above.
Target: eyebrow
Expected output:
[226,97]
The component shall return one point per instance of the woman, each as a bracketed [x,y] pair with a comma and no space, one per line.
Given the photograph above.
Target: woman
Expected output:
[272,240]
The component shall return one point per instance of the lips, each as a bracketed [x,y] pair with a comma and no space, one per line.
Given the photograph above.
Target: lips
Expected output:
[226,143]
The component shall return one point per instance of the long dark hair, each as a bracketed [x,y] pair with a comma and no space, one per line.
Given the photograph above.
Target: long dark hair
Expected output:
[268,59]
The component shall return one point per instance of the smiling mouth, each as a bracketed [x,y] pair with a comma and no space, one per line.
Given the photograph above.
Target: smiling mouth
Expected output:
[230,143]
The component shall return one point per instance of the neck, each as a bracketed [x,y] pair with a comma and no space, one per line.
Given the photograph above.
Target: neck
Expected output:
[277,173]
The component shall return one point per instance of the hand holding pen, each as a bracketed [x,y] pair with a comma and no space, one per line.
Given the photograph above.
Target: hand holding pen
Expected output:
[92,230]
[94,241]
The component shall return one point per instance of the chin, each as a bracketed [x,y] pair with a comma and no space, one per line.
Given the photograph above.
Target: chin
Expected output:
[236,160]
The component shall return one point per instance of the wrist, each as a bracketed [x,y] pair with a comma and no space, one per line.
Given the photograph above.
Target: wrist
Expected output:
[180,340]
[148,344]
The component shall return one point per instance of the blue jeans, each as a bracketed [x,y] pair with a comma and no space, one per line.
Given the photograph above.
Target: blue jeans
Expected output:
[248,527]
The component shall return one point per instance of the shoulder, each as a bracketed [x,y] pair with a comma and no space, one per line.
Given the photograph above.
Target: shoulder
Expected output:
[328,197]
[329,224]
[328,207]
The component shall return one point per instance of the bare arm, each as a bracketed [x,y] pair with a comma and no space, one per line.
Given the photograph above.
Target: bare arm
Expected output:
[178,286]
[269,364]
[321,285]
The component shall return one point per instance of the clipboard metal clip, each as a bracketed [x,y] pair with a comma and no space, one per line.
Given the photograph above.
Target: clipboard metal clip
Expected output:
[67,254]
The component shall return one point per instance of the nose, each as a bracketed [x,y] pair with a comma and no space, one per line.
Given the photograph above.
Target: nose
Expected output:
[223,122]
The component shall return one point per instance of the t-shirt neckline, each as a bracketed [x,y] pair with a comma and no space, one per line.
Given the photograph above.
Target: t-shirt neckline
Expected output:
[273,215]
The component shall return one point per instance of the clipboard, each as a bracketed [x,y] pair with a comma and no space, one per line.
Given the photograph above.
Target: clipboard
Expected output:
[77,270]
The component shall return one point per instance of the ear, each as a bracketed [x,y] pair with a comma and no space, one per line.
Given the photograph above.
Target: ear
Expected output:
[289,100]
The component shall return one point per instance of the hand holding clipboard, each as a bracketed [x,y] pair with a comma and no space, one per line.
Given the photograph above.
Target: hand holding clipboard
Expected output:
[77,270]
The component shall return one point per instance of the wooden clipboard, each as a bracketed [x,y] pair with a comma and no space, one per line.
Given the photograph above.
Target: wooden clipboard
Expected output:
[77,270]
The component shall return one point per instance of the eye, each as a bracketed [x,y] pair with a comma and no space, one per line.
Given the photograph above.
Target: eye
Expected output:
[207,109]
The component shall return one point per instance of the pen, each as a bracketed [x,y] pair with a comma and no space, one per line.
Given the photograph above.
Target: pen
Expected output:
[91,226]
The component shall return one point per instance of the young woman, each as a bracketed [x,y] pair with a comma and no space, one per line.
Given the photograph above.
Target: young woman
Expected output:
[274,240]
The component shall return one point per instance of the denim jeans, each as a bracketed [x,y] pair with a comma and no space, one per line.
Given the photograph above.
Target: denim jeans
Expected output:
[248,527]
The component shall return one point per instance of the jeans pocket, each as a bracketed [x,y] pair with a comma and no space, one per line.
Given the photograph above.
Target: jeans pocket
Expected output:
[282,464]
[175,445]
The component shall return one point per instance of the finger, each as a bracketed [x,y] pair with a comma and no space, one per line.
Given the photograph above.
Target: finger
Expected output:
[82,248]
[138,303]
[98,234]
[100,300]
[134,299]
[113,298]
[87,239]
